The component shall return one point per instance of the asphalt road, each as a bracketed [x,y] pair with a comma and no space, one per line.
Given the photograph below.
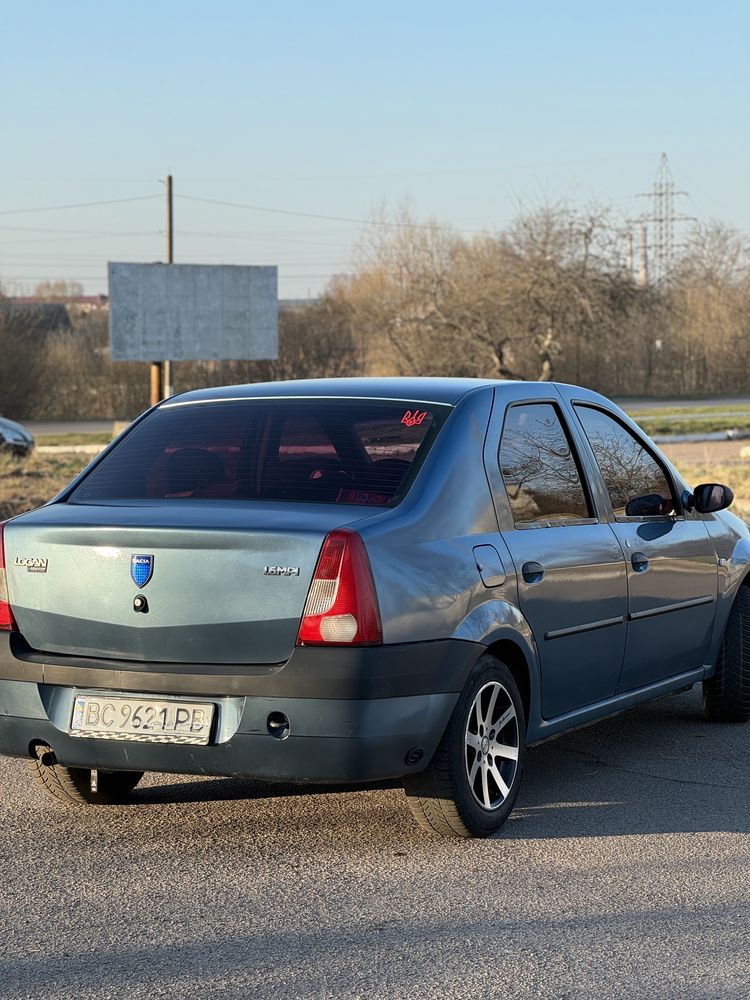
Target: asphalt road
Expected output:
[652,405]
[36,427]
[625,872]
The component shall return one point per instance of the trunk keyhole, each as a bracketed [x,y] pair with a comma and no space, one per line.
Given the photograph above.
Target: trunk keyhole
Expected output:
[278,725]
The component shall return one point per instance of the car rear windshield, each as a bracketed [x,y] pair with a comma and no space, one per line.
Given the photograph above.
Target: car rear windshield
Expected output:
[315,450]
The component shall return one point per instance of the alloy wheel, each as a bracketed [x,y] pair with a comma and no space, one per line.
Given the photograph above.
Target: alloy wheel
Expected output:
[491,745]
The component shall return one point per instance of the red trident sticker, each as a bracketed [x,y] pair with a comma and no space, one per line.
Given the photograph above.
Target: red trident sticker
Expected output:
[413,419]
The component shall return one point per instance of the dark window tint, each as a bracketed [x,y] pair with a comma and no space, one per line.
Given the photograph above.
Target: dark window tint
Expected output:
[329,451]
[540,472]
[630,472]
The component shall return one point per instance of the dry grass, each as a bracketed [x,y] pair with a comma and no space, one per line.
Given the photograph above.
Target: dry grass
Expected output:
[715,462]
[737,477]
[73,439]
[28,483]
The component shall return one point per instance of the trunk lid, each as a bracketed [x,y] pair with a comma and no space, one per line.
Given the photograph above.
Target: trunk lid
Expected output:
[228,585]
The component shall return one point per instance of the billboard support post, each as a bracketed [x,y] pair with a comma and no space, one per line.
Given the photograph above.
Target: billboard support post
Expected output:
[166,381]
[161,371]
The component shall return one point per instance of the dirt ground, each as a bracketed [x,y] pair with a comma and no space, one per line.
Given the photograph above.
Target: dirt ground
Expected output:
[706,453]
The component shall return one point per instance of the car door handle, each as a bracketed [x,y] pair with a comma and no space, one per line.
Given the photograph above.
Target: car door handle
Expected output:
[532,572]
[639,561]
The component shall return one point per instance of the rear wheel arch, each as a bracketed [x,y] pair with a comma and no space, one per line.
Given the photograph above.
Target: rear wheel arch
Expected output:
[470,786]
[511,654]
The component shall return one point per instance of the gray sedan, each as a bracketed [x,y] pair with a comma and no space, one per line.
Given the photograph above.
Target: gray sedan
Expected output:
[15,439]
[352,580]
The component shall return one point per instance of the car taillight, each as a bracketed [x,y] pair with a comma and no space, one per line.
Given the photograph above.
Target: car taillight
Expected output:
[342,606]
[7,623]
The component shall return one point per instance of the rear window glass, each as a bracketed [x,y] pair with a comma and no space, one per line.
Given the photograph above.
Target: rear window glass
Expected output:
[327,451]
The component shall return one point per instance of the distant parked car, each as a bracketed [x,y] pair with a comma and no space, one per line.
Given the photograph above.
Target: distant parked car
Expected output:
[350,580]
[15,439]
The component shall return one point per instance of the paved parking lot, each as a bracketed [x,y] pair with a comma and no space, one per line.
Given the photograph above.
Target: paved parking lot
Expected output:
[624,873]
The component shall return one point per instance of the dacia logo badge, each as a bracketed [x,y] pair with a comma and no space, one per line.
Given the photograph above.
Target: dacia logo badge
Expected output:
[141,569]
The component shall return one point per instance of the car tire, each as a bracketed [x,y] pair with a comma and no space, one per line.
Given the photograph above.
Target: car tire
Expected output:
[466,790]
[72,785]
[726,695]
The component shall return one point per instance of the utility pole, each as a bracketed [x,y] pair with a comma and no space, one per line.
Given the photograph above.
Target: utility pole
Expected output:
[167,389]
[643,262]
[170,230]
[161,371]
[629,252]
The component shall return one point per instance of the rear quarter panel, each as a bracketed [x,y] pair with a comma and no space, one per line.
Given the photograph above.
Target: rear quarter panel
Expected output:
[421,553]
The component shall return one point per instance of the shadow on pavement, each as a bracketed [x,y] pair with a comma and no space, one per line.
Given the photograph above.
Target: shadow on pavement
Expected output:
[655,769]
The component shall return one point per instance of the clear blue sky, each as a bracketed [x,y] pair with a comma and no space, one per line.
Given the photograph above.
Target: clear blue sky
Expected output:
[332,108]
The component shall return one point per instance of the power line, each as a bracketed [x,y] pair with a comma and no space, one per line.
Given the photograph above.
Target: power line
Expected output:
[72,235]
[72,239]
[77,232]
[326,218]
[12,260]
[103,274]
[348,220]
[261,238]
[82,204]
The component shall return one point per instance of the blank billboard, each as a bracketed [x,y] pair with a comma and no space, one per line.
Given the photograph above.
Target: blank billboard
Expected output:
[192,312]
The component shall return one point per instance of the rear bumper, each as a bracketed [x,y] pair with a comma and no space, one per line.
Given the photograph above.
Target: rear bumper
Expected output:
[391,671]
[355,714]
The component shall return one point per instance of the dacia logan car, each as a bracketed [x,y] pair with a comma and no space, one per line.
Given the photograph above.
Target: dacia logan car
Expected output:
[353,580]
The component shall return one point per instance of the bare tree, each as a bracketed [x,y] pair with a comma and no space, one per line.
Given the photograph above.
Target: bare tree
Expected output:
[549,297]
[55,291]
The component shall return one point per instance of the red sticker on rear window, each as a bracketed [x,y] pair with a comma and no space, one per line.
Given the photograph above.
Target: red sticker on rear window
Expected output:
[412,419]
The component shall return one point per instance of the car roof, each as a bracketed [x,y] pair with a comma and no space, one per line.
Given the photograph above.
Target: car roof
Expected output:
[422,389]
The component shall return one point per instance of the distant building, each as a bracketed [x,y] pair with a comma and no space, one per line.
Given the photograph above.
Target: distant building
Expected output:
[91,301]
[33,317]
[44,315]
[74,305]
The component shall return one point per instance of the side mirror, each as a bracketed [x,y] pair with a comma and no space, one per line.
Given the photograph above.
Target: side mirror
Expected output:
[650,505]
[710,497]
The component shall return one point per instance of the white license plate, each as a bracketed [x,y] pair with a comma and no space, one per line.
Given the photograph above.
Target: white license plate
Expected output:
[145,720]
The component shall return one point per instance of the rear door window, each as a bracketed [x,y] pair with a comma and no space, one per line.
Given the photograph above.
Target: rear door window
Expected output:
[542,478]
[328,451]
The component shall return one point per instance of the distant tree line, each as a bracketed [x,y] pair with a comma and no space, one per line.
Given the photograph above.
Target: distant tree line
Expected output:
[550,297]
[553,297]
